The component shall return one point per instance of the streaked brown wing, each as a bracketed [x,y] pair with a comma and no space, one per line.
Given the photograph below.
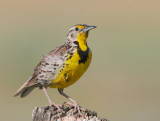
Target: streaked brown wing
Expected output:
[46,70]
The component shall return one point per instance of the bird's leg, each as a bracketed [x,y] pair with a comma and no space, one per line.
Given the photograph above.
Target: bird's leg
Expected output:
[75,104]
[50,102]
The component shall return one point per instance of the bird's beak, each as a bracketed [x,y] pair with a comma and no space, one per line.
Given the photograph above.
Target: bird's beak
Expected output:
[88,28]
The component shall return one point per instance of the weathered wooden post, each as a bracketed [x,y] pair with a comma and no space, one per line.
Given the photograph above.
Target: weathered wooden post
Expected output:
[50,113]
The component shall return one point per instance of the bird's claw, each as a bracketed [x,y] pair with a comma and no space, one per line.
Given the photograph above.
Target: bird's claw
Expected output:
[57,106]
[76,107]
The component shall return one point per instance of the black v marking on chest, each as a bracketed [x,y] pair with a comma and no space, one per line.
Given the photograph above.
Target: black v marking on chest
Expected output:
[82,54]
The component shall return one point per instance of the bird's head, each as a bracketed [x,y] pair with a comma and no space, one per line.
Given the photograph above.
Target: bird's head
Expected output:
[78,33]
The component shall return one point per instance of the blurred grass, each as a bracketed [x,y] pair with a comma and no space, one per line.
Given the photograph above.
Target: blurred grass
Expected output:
[123,79]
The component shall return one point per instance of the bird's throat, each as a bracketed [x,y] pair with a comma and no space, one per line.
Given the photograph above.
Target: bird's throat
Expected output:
[81,39]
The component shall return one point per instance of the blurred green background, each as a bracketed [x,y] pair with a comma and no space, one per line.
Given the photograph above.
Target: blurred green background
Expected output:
[123,80]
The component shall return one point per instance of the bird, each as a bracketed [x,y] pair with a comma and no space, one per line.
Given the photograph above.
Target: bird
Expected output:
[62,66]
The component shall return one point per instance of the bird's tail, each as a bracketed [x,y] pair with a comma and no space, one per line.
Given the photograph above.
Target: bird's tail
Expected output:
[24,90]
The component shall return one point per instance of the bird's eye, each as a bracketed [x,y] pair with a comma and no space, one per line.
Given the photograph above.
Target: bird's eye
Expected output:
[76,29]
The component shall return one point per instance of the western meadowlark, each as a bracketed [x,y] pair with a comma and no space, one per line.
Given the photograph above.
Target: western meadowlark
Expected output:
[62,66]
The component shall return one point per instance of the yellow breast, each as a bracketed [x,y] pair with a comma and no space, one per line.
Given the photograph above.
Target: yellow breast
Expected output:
[73,70]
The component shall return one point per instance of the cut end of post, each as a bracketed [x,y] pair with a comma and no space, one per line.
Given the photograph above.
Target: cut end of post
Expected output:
[50,113]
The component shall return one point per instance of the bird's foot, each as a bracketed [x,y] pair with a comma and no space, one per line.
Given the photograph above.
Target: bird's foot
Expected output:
[56,105]
[76,107]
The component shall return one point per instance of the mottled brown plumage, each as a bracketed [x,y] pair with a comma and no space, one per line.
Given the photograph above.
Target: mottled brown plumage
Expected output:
[46,70]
